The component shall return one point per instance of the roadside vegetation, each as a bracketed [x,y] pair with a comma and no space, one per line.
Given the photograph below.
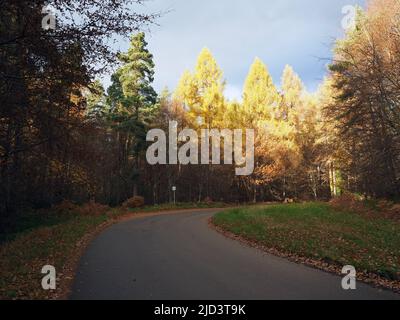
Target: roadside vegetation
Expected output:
[63,135]
[56,237]
[367,239]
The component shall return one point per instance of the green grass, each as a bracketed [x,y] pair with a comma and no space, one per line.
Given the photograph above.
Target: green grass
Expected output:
[51,238]
[315,230]
[22,258]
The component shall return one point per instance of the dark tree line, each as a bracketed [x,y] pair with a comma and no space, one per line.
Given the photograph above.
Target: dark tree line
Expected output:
[48,147]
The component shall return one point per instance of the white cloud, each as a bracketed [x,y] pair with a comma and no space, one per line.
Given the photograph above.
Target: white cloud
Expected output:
[295,32]
[233,93]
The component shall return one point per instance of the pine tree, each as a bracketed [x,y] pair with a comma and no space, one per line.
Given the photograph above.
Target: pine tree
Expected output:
[137,75]
[133,101]
[96,101]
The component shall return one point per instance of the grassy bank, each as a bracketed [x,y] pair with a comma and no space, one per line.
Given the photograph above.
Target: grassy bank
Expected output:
[317,231]
[54,237]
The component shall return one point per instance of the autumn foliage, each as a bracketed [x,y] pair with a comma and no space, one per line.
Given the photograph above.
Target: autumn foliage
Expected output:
[64,136]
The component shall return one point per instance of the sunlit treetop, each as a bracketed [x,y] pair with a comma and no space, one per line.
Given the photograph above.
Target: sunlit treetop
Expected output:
[260,95]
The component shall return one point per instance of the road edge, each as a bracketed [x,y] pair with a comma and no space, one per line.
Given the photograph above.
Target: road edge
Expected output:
[371,279]
[70,269]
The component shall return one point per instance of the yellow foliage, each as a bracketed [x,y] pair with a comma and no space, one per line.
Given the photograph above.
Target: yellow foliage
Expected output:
[260,96]
[202,92]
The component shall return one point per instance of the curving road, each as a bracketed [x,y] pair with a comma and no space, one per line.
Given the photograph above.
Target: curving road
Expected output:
[177,256]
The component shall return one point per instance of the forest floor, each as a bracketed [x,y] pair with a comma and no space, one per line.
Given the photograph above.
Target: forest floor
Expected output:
[58,237]
[321,236]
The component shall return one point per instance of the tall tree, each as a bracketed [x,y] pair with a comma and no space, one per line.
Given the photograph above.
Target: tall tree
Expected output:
[366,105]
[135,101]
[202,91]
[292,93]
[260,96]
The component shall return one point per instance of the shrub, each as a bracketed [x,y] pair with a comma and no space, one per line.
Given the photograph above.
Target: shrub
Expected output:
[65,206]
[348,201]
[135,202]
[93,209]
[369,208]
[384,205]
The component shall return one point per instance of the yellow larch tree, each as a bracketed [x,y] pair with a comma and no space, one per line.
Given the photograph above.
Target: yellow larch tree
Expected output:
[260,96]
[202,92]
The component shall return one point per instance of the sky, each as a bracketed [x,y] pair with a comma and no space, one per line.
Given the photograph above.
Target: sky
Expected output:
[279,32]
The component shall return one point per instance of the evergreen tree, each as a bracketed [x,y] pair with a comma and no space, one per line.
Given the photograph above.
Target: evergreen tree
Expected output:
[133,103]
[136,77]
[96,106]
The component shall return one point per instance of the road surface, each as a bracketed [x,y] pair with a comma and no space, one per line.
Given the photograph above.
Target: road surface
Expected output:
[177,256]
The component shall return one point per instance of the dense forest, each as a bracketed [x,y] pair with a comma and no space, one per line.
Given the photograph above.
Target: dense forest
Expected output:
[65,137]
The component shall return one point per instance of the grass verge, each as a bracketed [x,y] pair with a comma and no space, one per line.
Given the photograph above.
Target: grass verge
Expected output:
[57,239]
[318,232]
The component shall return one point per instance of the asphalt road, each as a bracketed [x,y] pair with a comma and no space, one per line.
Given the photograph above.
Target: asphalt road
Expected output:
[178,256]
